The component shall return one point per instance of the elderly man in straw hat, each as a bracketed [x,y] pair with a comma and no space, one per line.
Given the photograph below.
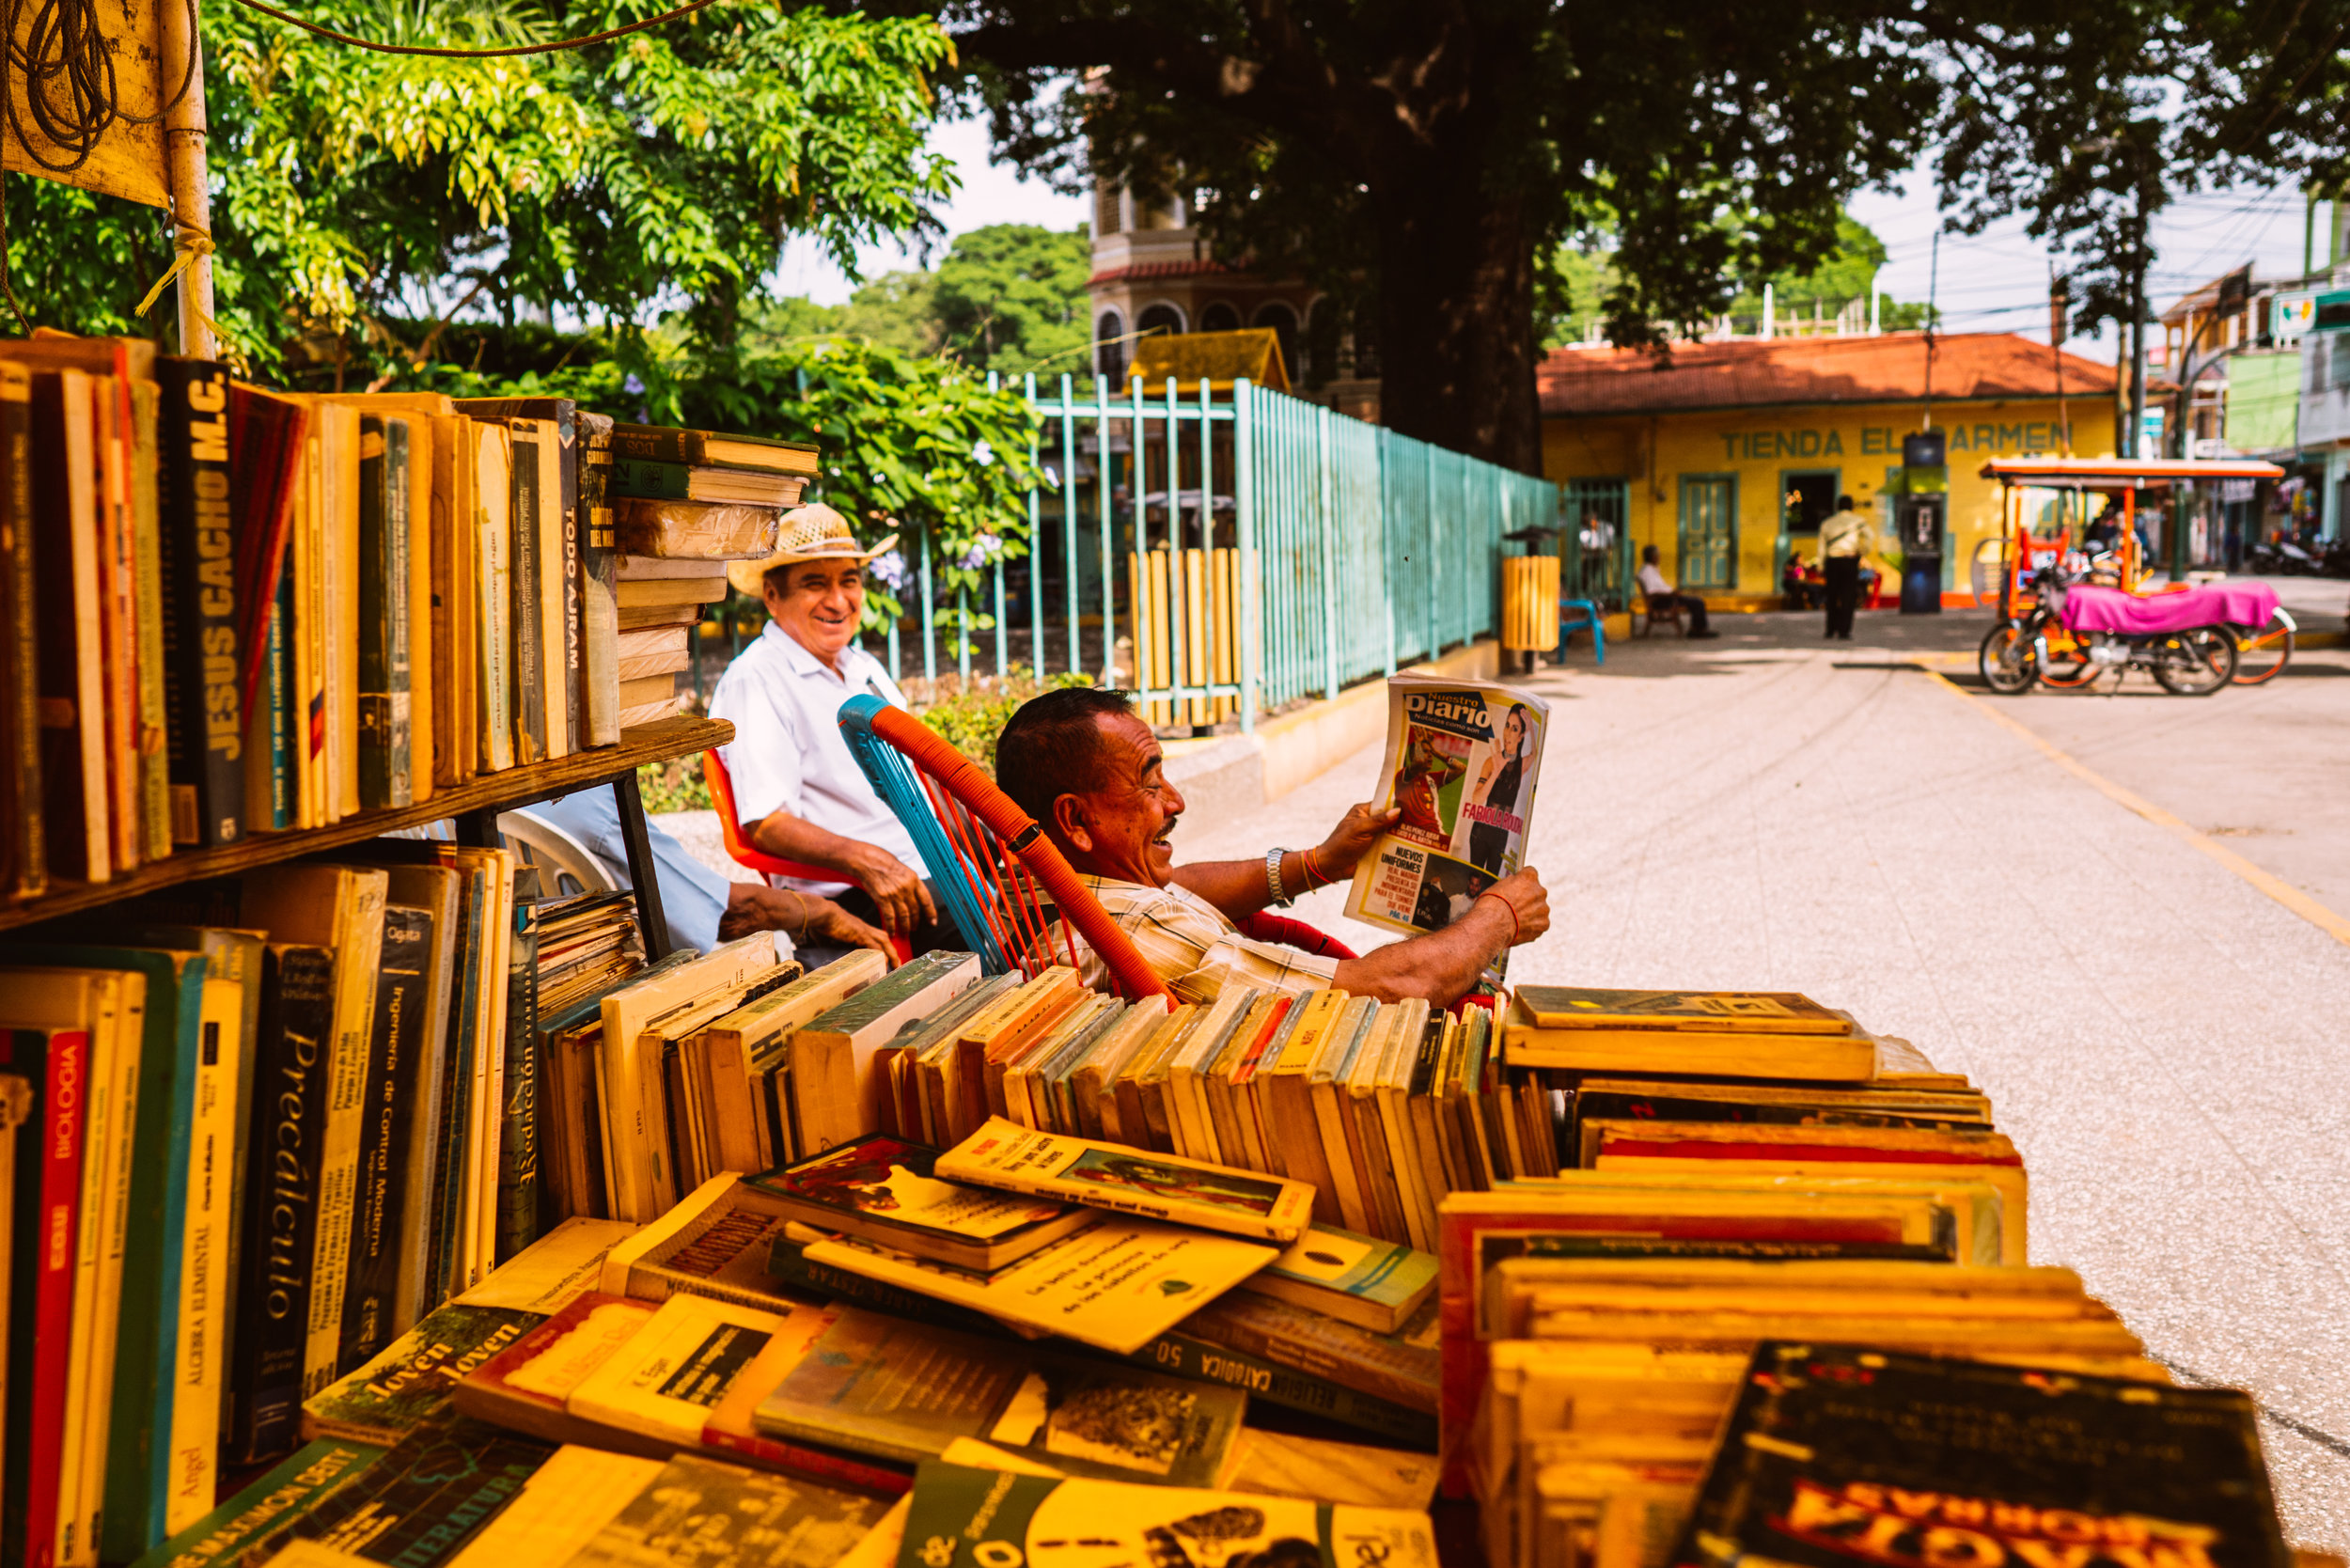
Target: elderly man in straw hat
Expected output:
[801,794]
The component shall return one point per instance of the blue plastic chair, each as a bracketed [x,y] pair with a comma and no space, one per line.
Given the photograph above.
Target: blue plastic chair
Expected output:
[1574,615]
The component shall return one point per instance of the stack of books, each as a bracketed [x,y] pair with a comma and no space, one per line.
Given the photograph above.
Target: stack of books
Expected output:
[683,503]
[231,610]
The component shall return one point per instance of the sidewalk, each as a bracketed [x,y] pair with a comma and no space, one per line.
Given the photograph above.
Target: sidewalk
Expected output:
[2164,1042]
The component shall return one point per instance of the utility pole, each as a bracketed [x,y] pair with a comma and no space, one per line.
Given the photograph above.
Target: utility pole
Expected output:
[2138,330]
[2059,298]
[1934,292]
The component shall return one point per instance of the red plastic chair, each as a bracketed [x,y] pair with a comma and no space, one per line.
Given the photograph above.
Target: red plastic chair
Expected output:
[1011,880]
[744,853]
[1266,926]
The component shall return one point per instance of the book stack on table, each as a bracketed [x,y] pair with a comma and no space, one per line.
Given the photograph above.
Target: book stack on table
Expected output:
[673,1269]
[229,610]
[682,503]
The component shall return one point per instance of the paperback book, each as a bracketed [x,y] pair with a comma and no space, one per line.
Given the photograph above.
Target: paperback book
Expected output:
[1129,1180]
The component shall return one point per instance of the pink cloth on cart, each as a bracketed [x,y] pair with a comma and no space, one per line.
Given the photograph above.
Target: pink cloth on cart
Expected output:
[2105,609]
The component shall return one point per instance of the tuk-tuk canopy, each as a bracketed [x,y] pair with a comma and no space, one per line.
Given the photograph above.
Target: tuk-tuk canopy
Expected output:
[2120,472]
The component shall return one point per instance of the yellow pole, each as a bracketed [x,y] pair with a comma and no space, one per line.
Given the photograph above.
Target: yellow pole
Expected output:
[183,153]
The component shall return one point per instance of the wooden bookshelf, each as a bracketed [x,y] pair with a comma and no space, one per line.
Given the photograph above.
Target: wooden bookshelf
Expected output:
[480,799]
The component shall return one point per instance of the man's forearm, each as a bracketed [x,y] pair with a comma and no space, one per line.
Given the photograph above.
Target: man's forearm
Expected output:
[790,838]
[1238,886]
[1442,967]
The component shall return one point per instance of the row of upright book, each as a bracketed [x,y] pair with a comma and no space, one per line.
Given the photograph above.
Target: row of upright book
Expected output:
[263,1128]
[228,610]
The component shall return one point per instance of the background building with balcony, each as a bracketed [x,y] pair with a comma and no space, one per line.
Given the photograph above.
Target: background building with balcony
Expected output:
[1152,273]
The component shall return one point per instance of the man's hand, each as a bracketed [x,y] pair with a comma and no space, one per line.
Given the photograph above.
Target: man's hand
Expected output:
[1527,900]
[1335,857]
[831,926]
[894,887]
[753,906]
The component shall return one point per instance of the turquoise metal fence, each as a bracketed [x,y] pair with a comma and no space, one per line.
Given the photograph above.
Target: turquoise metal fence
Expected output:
[1357,550]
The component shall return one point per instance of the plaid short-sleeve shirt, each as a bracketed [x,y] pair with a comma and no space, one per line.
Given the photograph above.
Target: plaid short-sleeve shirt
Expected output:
[1193,948]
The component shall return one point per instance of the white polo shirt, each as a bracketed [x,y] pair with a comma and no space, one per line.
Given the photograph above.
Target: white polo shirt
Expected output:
[787,750]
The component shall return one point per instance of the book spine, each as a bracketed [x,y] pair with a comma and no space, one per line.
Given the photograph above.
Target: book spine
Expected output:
[791,1268]
[118,620]
[358,957]
[191,1473]
[40,1361]
[268,1344]
[574,598]
[645,480]
[448,1156]
[599,613]
[495,676]
[833,1469]
[1365,1377]
[1199,1362]
[154,678]
[204,720]
[24,822]
[384,616]
[292,729]
[643,444]
[518,1135]
[372,1278]
[523,590]
[73,770]
[90,1372]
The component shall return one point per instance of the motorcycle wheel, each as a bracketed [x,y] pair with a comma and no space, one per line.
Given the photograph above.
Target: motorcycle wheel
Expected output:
[2262,654]
[2006,661]
[2067,666]
[2196,663]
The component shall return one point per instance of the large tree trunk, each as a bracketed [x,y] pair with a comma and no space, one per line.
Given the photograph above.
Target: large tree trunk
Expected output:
[1456,317]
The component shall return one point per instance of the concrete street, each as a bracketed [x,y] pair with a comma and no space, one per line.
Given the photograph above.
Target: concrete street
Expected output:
[2165,1043]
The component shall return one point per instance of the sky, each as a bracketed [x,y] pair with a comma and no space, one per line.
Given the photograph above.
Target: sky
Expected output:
[1990,282]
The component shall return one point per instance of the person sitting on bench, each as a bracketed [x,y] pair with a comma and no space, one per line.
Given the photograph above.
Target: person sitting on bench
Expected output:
[1662,593]
[1084,765]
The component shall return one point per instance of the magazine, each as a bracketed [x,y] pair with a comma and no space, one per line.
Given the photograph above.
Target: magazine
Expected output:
[1462,758]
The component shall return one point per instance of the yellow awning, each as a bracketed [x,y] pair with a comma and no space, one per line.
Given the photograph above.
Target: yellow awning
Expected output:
[1219,358]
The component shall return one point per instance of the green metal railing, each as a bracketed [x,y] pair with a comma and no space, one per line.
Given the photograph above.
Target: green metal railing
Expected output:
[1360,550]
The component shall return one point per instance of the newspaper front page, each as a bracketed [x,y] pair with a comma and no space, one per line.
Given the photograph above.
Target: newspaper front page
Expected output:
[1462,758]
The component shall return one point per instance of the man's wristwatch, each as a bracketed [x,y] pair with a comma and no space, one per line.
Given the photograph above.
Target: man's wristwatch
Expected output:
[1279,894]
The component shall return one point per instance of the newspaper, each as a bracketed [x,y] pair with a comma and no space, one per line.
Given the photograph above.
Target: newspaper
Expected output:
[1462,758]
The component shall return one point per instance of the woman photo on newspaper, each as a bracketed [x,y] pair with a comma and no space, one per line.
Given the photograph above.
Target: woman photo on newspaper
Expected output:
[1497,790]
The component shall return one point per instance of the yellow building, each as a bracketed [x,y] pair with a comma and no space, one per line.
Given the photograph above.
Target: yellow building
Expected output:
[1726,456]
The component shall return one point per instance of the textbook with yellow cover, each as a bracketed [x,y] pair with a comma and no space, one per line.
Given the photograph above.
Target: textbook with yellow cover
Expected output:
[1129,1180]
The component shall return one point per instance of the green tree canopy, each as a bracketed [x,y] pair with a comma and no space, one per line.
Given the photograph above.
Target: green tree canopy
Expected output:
[1583,275]
[361,200]
[1008,297]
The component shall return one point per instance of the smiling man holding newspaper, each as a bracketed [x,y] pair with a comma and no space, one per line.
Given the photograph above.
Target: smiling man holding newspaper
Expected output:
[1085,765]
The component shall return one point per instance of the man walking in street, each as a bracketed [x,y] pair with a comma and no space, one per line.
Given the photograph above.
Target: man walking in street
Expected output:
[1846,537]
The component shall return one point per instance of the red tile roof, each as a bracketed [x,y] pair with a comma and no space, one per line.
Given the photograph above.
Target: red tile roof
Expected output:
[1159,269]
[1757,372]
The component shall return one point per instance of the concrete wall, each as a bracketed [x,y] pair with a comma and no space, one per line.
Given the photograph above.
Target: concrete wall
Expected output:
[1759,449]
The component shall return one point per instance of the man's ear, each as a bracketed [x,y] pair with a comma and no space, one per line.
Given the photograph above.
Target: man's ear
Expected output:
[1069,824]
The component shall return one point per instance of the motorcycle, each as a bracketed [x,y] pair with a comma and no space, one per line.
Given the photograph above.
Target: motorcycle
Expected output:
[2075,632]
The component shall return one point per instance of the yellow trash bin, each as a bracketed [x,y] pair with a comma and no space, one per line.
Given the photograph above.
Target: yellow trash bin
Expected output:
[1530,603]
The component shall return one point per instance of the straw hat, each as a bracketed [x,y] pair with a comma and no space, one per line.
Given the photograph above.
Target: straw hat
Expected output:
[814,532]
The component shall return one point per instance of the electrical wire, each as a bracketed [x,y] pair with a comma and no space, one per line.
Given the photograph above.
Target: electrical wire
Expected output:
[466,54]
